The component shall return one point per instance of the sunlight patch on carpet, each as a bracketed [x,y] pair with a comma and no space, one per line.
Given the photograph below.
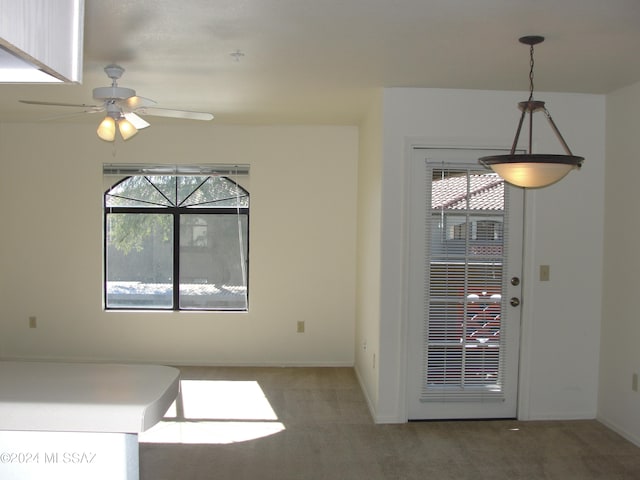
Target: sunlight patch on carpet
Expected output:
[216,412]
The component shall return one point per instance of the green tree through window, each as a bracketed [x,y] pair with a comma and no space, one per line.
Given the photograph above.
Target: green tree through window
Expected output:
[176,242]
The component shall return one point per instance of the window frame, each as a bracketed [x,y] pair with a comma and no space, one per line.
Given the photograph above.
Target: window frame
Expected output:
[175,212]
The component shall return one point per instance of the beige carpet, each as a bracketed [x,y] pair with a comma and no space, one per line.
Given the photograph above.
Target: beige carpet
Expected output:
[313,423]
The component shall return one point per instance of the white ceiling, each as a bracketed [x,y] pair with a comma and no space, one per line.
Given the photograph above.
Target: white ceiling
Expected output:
[317,61]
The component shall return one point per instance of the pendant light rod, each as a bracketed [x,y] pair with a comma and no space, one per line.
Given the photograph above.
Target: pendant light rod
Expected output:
[567,150]
[532,40]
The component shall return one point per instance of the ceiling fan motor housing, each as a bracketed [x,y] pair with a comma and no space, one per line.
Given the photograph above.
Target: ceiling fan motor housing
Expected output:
[116,93]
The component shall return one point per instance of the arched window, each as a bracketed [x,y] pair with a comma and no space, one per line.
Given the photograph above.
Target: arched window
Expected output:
[176,243]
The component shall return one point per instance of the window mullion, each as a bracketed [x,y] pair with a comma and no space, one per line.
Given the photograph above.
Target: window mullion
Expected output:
[176,260]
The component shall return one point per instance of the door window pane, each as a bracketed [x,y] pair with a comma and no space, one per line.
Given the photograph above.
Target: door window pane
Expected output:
[465,281]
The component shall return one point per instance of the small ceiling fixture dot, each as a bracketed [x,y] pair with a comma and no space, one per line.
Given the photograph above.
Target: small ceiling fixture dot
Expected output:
[237,55]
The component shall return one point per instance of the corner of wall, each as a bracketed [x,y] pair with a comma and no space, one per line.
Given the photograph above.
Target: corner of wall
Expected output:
[367,323]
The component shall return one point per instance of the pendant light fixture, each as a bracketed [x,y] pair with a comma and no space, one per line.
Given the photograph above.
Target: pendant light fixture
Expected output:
[533,170]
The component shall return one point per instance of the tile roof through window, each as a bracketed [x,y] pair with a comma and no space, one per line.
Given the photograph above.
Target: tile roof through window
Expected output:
[484,192]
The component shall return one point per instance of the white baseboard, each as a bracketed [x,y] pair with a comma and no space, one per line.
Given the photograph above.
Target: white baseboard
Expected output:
[561,416]
[620,431]
[370,404]
[377,417]
[185,363]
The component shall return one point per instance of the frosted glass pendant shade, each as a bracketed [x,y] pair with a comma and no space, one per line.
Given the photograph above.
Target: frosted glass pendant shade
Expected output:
[531,170]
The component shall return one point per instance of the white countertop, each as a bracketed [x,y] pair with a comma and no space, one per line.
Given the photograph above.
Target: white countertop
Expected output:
[84,397]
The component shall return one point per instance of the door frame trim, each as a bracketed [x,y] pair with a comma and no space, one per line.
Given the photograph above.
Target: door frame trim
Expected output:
[524,364]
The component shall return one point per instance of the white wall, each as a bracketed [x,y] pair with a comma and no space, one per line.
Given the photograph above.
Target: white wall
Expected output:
[302,247]
[305,185]
[619,405]
[561,318]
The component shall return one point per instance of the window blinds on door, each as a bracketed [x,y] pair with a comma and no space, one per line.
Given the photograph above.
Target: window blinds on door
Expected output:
[464,281]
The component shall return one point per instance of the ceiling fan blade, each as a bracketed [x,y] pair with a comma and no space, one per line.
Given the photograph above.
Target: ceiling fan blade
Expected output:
[64,115]
[138,102]
[165,112]
[55,104]
[137,122]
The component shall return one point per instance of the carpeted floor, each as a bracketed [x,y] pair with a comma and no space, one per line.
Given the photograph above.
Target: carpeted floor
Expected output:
[313,423]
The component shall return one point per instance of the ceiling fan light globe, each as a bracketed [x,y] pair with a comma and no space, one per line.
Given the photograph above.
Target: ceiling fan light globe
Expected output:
[107,129]
[127,130]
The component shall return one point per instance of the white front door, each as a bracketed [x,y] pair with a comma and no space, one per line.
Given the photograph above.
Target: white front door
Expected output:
[465,260]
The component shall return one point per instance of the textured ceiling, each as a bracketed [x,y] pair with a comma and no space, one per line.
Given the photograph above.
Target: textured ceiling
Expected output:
[305,61]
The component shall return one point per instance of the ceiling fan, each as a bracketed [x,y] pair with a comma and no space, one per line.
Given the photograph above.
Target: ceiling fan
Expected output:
[123,108]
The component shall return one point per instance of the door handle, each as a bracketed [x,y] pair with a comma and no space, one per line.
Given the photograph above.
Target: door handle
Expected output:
[515,301]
